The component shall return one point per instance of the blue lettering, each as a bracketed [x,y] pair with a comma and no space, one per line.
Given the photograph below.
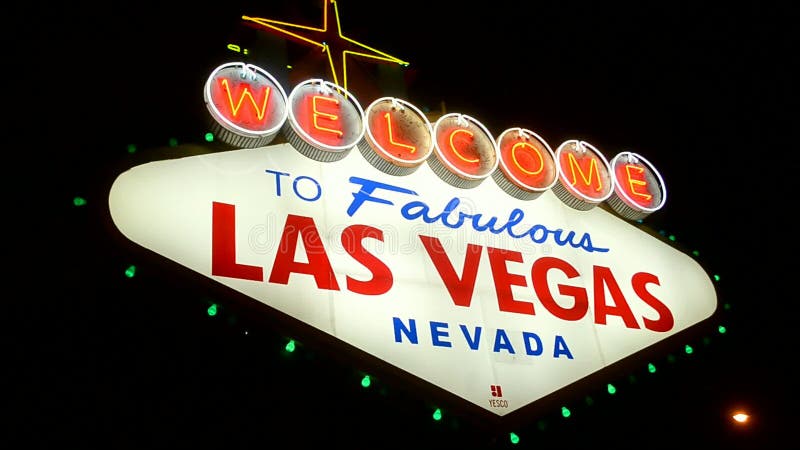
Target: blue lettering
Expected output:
[409,212]
[501,342]
[472,341]
[514,218]
[451,218]
[527,336]
[448,209]
[472,337]
[538,228]
[367,187]
[437,334]
[278,176]
[561,348]
[489,225]
[410,333]
[309,199]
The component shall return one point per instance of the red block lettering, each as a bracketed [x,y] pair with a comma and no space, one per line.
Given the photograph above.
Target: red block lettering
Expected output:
[223,245]
[318,264]
[504,280]
[460,288]
[382,278]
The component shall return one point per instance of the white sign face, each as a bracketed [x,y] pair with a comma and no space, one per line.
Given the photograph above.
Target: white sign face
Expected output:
[498,300]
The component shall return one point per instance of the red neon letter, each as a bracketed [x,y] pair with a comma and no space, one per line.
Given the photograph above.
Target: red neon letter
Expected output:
[243,92]
[385,131]
[464,142]
[539,272]
[579,166]
[460,288]
[632,177]
[382,278]
[223,245]
[515,160]
[326,114]
[318,264]
[504,280]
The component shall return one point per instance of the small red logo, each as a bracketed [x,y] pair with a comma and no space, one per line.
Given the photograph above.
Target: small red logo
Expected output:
[497,391]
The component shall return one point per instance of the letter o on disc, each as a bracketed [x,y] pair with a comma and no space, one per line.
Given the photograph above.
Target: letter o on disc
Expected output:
[527,164]
[465,153]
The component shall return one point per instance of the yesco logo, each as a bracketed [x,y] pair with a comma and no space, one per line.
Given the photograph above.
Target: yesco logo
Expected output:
[431,247]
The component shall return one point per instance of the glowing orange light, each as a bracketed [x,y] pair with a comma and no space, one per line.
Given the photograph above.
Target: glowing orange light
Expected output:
[516,161]
[466,153]
[526,161]
[741,417]
[635,184]
[398,133]
[468,141]
[319,102]
[332,42]
[579,166]
[234,108]
[411,148]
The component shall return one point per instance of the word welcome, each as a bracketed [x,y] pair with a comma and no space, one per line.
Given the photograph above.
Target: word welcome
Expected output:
[326,122]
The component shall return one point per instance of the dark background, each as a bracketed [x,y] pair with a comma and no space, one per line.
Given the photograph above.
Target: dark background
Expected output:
[105,361]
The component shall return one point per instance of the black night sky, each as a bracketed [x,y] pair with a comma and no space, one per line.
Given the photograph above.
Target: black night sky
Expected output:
[105,361]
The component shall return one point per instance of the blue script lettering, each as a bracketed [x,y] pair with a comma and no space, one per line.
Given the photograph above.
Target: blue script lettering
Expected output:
[451,218]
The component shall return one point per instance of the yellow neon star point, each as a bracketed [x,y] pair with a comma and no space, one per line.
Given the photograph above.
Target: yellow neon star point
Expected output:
[333,42]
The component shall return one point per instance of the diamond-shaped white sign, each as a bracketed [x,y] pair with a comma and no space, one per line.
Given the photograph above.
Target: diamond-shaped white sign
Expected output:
[497,300]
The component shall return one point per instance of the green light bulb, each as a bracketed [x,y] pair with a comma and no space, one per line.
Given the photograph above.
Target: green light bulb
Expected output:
[565,412]
[209,137]
[437,415]
[651,368]
[212,310]
[366,381]
[611,389]
[131,148]
[130,271]
[290,346]
[78,201]
[688,349]
[722,329]
[513,438]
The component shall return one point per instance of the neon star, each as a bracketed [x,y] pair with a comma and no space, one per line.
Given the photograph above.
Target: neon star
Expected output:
[331,41]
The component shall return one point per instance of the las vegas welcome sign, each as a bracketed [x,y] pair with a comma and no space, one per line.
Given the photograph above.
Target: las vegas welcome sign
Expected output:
[479,264]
